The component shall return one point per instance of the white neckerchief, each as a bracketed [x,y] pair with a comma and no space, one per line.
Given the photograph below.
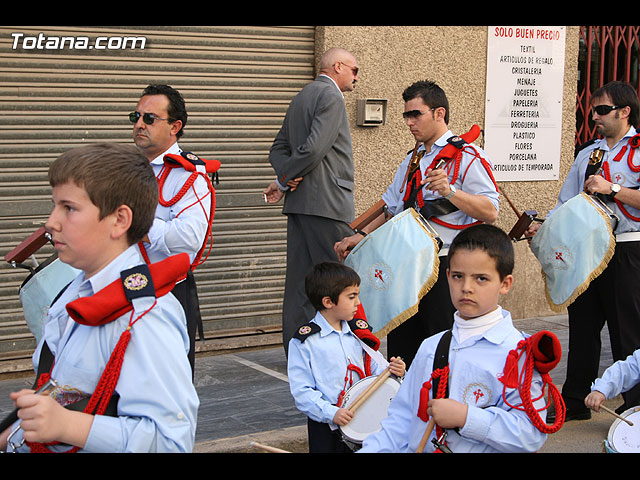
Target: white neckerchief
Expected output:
[478,325]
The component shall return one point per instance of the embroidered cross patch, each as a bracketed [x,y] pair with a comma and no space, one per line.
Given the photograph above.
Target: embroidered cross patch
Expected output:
[380,276]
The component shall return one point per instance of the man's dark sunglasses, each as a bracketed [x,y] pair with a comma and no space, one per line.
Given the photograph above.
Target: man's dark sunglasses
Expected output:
[414,113]
[147,118]
[604,109]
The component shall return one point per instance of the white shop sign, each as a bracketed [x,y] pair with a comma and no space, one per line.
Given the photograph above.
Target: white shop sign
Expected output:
[523,117]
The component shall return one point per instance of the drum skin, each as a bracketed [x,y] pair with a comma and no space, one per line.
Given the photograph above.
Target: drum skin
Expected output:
[367,417]
[622,437]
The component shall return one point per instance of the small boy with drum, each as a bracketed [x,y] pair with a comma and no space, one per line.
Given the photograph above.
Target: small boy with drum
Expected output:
[329,354]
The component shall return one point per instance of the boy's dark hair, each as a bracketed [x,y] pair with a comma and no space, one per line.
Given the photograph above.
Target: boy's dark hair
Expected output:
[431,94]
[492,240]
[329,279]
[622,94]
[112,175]
[177,109]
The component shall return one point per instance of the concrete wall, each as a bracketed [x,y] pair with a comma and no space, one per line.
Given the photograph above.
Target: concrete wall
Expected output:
[393,57]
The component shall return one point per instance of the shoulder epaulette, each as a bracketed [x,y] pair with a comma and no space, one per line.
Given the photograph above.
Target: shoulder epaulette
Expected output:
[364,332]
[359,324]
[189,161]
[306,330]
[114,300]
[137,282]
[458,142]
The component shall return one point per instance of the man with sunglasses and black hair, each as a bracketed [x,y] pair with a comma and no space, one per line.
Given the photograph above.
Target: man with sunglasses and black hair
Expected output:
[452,196]
[158,123]
[610,168]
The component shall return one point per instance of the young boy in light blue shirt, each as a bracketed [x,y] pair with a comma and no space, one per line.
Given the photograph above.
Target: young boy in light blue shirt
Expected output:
[478,414]
[115,341]
[327,356]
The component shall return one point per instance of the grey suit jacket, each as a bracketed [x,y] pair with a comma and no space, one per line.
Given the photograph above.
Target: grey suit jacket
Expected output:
[315,143]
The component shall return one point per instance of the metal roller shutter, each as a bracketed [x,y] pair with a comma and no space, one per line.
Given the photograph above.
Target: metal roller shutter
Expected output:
[237,82]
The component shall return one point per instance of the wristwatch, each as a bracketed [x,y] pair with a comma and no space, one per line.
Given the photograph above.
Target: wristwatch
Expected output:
[451,193]
[615,188]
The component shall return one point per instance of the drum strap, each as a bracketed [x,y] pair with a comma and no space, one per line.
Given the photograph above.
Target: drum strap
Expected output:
[595,162]
[440,371]
[441,360]
[452,152]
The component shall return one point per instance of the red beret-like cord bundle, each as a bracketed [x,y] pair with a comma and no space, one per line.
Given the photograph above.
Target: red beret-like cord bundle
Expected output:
[543,352]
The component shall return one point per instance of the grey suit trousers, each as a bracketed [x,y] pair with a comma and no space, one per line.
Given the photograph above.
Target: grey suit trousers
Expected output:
[310,241]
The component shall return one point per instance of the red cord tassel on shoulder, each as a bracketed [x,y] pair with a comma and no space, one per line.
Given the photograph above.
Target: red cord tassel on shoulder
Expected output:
[543,352]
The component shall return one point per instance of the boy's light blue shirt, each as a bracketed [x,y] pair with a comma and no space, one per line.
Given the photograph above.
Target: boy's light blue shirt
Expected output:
[475,366]
[157,409]
[317,368]
[619,377]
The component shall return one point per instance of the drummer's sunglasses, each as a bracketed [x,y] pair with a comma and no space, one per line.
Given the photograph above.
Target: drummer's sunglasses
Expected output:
[604,109]
[147,118]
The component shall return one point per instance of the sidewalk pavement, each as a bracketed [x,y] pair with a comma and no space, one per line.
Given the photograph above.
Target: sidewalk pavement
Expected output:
[245,399]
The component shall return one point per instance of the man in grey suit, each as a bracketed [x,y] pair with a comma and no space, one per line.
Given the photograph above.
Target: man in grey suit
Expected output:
[313,161]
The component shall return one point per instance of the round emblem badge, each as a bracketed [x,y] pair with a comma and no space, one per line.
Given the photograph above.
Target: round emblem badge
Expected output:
[618,178]
[477,394]
[136,281]
[304,330]
[361,323]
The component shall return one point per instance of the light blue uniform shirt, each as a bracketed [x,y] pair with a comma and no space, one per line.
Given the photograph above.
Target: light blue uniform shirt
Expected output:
[158,405]
[472,178]
[317,368]
[619,377]
[621,174]
[475,365]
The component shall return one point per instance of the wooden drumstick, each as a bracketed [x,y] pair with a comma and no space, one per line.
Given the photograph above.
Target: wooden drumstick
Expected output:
[602,407]
[369,390]
[411,166]
[267,448]
[425,437]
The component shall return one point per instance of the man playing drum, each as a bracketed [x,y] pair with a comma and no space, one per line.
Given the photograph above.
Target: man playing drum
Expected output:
[609,168]
[460,193]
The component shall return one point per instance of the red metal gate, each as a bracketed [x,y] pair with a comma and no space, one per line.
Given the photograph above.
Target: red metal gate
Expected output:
[606,53]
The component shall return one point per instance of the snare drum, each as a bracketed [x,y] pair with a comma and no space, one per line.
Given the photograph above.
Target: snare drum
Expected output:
[622,437]
[366,419]
[398,264]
